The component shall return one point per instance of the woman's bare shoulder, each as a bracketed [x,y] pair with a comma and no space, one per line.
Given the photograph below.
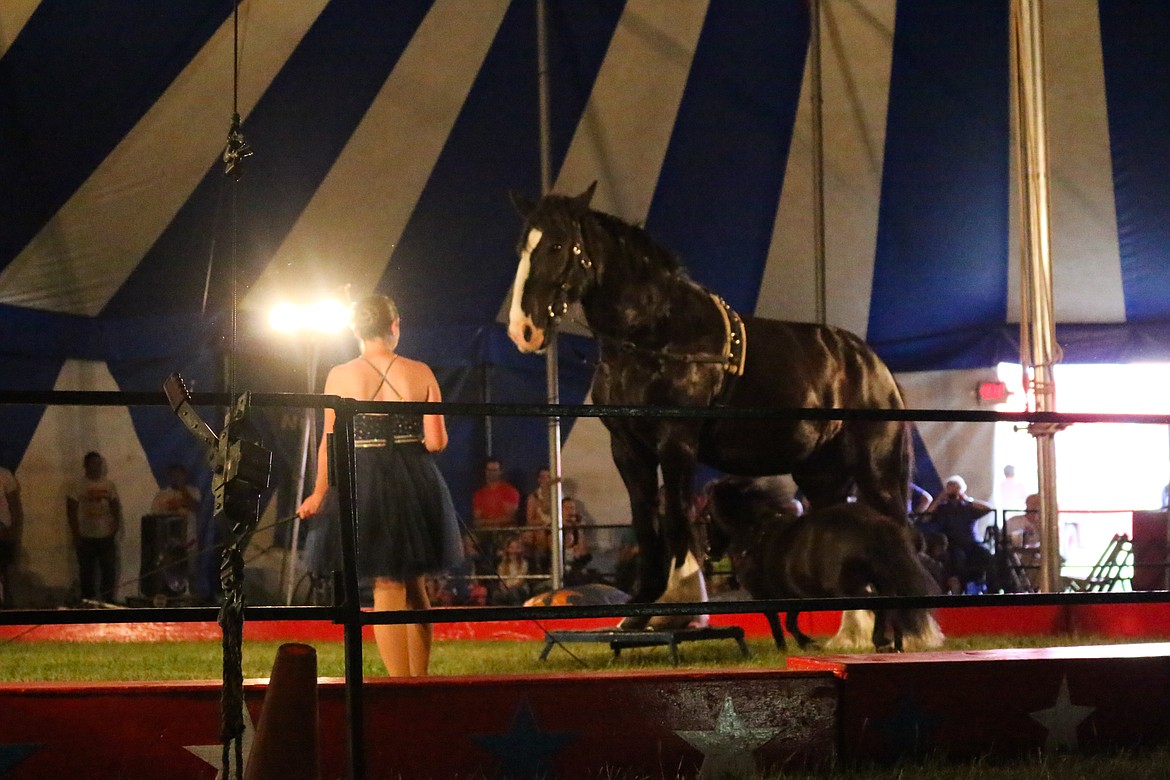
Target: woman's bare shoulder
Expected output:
[342,377]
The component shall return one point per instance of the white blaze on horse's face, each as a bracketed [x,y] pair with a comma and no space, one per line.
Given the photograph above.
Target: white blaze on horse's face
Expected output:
[523,332]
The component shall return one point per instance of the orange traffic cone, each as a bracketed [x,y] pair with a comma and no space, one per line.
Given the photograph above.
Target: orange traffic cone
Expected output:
[285,746]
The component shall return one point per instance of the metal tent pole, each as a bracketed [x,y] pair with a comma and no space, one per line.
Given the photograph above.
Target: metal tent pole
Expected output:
[816,99]
[556,541]
[1038,348]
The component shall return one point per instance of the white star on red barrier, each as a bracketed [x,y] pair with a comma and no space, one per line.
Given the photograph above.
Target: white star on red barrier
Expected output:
[1062,720]
[727,751]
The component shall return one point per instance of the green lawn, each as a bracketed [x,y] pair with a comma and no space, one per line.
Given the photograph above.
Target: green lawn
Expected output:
[98,661]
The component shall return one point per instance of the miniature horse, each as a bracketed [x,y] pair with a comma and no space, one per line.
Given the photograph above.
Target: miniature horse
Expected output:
[842,550]
[667,342]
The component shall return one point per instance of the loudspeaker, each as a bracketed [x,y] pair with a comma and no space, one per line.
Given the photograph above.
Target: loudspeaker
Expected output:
[163,571]
[1150,570]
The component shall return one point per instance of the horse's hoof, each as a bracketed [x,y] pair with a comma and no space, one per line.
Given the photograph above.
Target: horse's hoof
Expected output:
[677,622]
[633,623]
[807,643]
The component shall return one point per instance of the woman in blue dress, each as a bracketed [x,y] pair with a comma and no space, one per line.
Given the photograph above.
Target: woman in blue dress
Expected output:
[407,526]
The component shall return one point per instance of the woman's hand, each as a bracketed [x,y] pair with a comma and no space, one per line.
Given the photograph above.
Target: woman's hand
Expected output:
[311,505]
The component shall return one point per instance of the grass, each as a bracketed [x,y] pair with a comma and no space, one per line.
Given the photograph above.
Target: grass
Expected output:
[116,661]
[127,661]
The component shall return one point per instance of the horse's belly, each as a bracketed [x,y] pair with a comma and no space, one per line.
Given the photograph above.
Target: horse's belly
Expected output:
[757,448]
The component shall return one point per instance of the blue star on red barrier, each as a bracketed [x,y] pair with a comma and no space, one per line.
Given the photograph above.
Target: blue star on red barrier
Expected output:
[524,751]
[11,755]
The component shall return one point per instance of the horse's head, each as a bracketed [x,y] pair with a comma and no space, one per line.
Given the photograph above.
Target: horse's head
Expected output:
[735,506]
[555,269]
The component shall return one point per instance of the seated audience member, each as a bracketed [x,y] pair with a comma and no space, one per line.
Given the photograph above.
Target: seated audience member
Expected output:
[537,514]
[576,553]
[625,576]
[954,513]
[919,500]
[462,577]
[1023,532]
[11,529]
[932,552]
[512,572]
[494,505]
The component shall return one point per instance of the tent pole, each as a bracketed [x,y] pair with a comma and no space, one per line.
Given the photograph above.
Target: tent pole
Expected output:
[556,541]
[1039,351]
[816,98]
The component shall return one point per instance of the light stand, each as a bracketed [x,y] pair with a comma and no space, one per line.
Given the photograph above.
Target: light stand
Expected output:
[310,323]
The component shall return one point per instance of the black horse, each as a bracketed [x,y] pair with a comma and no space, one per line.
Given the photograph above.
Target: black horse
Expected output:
[842,550]
[665,341]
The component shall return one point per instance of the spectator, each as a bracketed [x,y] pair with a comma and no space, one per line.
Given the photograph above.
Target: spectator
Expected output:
[1012,492]
[537,515]
[1023,532]
[95,517]
[954,513]
[512,572]
[626,571]
[179,497]
[919,500]
[11,528]
[494,506]
[576,553]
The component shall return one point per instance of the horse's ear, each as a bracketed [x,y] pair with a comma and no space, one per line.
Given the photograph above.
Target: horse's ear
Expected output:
[583,199]
[522,203]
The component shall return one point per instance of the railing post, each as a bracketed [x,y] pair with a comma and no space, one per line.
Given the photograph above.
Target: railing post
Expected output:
[342,460]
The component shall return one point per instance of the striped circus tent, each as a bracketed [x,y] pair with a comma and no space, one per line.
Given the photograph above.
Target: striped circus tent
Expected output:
[387,137]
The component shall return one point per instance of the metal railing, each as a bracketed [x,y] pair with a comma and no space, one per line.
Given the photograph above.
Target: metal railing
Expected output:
[347,610]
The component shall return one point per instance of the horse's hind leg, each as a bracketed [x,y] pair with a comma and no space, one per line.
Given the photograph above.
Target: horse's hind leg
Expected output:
[777,631]
[802,639]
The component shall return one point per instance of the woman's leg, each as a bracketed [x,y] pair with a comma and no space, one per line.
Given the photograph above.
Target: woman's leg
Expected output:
[392,644]
[418,635]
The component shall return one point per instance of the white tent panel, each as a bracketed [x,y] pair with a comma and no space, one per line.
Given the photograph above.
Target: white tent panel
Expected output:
[54,459]
[348,232]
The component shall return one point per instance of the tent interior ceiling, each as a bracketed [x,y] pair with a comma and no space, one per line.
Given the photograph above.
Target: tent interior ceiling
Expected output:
[387,136]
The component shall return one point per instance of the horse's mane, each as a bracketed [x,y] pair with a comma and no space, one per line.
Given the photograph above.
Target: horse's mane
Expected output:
[562,212]
[638,242]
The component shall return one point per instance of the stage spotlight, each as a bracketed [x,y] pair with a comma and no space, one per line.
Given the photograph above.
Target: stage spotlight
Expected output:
[327,315]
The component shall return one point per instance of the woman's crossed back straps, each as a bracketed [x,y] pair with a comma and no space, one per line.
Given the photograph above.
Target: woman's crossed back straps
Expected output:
[385,378]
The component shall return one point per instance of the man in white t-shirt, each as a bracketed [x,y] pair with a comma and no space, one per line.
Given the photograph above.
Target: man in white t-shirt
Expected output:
[95,517]
[11,526]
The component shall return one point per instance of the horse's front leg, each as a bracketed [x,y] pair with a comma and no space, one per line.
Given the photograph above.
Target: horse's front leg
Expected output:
[677,452]
[638,467]
[685,583]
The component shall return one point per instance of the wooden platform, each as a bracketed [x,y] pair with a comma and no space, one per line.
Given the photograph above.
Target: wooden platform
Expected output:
[976,703]
[619,639]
